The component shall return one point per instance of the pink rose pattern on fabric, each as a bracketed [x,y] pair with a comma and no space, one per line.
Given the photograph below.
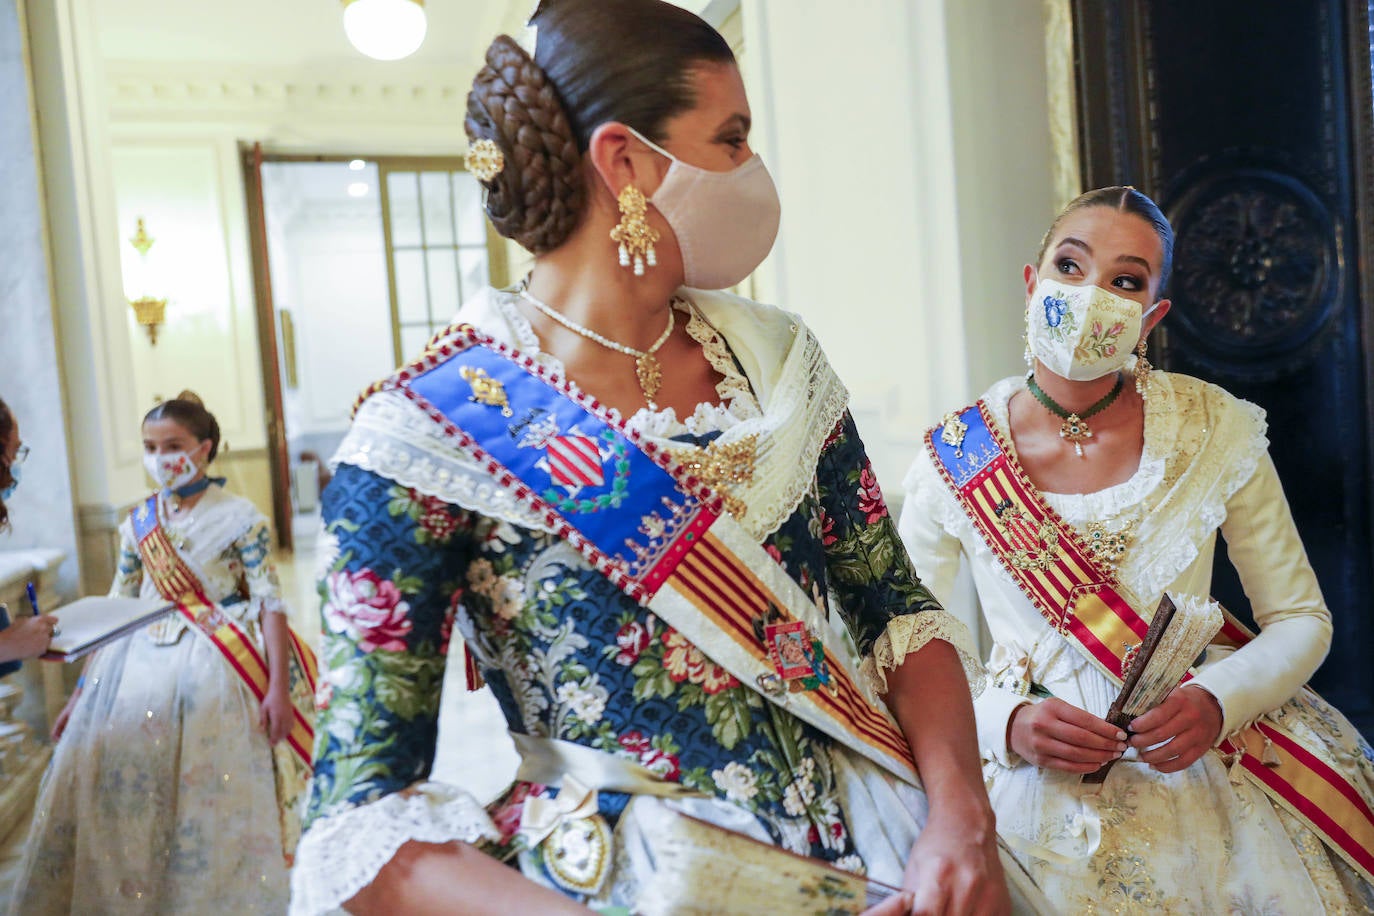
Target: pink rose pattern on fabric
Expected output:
[871,496]
[369,607]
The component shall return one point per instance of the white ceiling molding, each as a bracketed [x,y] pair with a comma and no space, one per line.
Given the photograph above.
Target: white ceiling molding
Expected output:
[205,94]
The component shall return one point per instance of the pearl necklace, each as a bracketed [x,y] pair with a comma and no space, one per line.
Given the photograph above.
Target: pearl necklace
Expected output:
[648,371]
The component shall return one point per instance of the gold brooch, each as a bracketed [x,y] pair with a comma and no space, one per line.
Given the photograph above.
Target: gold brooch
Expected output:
[723,466]
[484,160]
[952,432]
[1109,546]
[486,390]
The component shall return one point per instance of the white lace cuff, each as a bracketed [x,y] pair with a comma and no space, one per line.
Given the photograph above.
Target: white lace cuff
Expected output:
[341,854]
[910,633]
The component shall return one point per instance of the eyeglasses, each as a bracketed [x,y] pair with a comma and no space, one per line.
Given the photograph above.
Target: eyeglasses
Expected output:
[19,455]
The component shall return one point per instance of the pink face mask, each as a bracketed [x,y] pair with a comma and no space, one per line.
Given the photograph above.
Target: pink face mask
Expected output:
[725,222]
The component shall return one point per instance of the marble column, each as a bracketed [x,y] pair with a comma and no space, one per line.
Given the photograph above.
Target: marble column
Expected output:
[42,510]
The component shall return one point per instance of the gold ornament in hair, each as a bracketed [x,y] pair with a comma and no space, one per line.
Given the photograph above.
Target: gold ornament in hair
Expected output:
[634,234]
[484,160]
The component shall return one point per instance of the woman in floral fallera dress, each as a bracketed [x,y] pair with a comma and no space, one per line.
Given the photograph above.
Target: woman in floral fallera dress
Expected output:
[633,714]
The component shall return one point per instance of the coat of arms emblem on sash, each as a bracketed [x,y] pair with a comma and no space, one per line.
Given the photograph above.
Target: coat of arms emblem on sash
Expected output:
[573,461]
[1034,546]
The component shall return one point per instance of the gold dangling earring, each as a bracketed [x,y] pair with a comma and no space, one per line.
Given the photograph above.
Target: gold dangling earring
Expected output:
[1142,368]
[633,234]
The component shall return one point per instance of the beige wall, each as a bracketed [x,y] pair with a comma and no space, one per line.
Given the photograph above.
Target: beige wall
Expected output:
[909,142]
[125,139]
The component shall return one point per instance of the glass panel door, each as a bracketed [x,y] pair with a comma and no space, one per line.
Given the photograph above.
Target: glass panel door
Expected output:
[439,248]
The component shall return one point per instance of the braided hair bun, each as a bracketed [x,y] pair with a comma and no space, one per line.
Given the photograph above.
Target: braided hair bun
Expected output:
[597,61]
[537,198]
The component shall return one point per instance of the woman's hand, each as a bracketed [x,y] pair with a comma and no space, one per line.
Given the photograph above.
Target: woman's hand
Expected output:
[953,868]
[1190,721]
[896,905]
[60,726]
[1060,736]
[27,637]
[276,712]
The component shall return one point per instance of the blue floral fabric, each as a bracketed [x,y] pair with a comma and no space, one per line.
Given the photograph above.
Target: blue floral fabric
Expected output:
[568,656]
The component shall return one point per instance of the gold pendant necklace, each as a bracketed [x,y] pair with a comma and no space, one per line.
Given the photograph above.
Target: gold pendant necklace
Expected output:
[648,370]
[1075,427]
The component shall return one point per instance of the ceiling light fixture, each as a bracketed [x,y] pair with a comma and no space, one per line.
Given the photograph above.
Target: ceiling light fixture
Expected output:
[385,29]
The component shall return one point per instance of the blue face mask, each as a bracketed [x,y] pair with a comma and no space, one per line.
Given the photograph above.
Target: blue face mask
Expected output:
[14,484]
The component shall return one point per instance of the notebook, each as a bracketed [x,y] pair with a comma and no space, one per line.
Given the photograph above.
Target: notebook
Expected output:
[89,623]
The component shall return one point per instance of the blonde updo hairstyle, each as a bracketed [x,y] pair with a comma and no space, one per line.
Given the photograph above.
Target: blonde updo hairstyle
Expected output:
[595,61]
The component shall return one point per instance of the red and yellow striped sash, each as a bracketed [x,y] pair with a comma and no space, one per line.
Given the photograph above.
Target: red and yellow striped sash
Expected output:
[177,583]
[1081,599]
[731,596]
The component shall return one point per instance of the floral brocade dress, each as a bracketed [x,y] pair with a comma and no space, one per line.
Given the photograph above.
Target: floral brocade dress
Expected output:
[566,653]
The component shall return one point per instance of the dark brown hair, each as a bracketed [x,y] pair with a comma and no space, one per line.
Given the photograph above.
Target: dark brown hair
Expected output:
[188,411]
[6,478]
[1123,199]
[595,61]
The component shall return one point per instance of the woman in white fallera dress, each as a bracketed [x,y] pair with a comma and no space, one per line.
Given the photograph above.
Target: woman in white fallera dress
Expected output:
[162,796]
[1169,464]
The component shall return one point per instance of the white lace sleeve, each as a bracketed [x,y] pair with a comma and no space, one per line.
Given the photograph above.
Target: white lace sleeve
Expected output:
[341,854]
[911,633]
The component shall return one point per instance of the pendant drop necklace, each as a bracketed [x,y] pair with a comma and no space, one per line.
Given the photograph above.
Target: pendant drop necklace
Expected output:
[1075,427]
[648,370]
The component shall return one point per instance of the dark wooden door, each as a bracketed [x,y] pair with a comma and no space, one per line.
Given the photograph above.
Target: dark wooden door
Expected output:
[1250,123]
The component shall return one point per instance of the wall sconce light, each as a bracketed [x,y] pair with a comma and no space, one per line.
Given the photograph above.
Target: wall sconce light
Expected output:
[385,29]
[149,311]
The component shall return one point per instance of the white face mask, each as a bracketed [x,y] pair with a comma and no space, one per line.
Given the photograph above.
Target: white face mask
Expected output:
[171,470]
[1082,332]
[725,222]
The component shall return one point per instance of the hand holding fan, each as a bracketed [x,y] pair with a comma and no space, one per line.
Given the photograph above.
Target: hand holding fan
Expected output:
[1178,634]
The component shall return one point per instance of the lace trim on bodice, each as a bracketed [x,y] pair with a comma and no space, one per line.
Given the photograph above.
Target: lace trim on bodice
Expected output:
[1201,446]
[392,437]
[204,534]
[737,401]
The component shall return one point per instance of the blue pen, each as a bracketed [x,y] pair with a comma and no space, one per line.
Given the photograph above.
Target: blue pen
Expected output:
[33,599]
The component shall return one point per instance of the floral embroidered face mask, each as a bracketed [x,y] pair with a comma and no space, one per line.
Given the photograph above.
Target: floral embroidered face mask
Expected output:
[171,470]
[1082,332]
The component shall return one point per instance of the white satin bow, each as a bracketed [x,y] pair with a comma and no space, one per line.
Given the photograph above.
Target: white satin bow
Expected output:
[541,816]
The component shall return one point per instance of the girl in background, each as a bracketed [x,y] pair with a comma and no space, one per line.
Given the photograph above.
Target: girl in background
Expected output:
[182,751]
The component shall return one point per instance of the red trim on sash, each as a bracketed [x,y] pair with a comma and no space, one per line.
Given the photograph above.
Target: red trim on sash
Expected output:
[1078,597]
[723,586]
[176,582]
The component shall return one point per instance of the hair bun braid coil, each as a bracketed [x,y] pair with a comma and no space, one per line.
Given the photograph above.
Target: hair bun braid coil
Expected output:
[538,197]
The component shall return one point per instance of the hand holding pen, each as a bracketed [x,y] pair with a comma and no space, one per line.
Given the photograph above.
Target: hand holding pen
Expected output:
[33,603]
[27,637]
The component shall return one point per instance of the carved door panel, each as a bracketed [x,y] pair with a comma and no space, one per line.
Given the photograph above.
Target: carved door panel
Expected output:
[1251,125]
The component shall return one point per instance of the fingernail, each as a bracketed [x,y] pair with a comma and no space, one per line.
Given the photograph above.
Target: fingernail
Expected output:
[1121,736]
